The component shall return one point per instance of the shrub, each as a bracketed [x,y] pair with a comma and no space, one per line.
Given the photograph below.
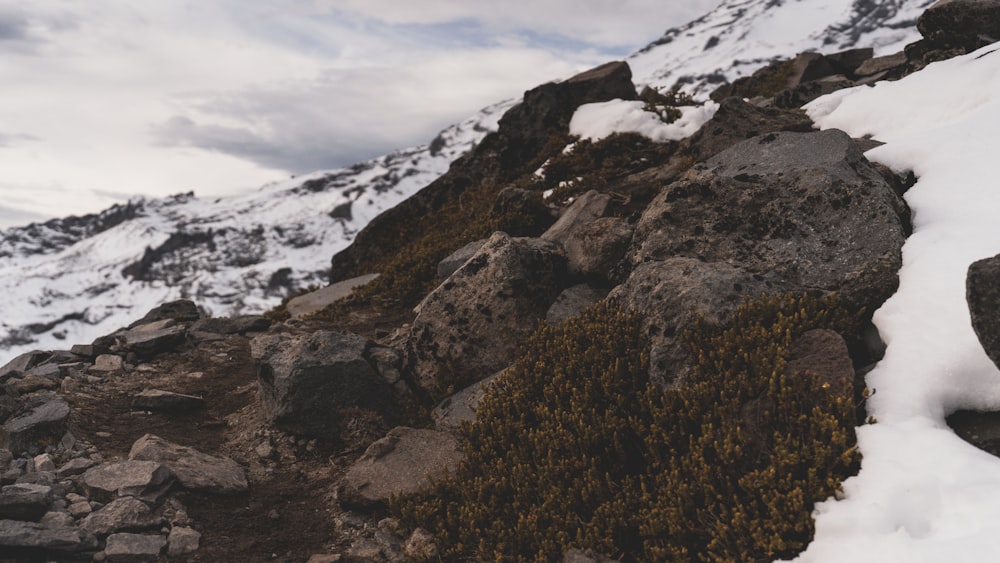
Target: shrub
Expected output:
[574,447]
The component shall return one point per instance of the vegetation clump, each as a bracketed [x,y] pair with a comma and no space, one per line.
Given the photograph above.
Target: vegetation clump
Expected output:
[575,448]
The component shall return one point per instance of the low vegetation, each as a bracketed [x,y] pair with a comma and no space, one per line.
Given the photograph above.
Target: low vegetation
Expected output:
[574,447]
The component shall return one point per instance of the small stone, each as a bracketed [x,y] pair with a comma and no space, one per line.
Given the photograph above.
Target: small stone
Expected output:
[127,548]
[53,519]
[80,509]
[73,497]
[264,451]
[145,479]
[74,467]
[182,540]
[421,545]
[103,434]
[108,363]
[325,558]
[273,514]
[43,462]
[158,400]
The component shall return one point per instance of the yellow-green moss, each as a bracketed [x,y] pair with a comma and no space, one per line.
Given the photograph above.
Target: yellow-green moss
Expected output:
[574,447]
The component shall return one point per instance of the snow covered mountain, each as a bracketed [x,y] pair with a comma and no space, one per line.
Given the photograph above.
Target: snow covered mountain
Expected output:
[69,280]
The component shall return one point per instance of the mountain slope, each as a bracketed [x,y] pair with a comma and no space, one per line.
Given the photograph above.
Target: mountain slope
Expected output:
[70,280]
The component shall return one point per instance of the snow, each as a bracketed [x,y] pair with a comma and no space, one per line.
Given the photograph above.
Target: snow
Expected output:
[599,120]
[923,494]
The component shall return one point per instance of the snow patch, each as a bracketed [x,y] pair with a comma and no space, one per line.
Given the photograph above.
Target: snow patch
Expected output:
[600,120]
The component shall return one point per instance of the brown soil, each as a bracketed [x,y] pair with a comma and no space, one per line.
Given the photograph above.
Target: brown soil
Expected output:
[290,512]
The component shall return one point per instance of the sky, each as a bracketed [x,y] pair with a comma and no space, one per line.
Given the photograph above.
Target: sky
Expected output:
[108,99]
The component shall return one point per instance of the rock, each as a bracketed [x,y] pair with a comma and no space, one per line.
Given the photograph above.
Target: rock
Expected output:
[80,509]
[232,325]
[881,64]
[969,24]
[31,540]
[573,301]
[364,551]
[158,400]
[306,380]
[734,122]
[148,340]
[322,298]
[777,76]
[54,519]
[847,62]
[22,363]
[194,470]
[823,354]
[402,462]
[449,414]
[134,548]
[44,424]
[785,212]
[74,466]
[982,292]
[180,311]
[182,541]
[108,363]
[471,325]
[421,546]
[147,480]
[455,260]
[125,514]
[43,462]
[585,209]
[84,350]
[24,502]
[808,91]
[31,383]
[981,429]
[388,362]
[325,558]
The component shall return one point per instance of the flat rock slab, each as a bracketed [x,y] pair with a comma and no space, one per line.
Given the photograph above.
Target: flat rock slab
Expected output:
[153,338]
[455,260]
[134,548]
[460,407]
[147,480]
[106,363]
[126,514]
[402,462]
[232,325]
[29,539]
[23,363]
[322,298]
[159,400]
[24,502]
[194,470]
[45,423]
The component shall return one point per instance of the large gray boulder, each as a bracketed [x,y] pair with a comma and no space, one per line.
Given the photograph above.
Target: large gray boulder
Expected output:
[783,212]
[147,480]
[125,514]
[24,502]
[471,325]
[42,425]
[982,291]
[969,24]
[34,541]
[305,380]
[403,462]
[194,470]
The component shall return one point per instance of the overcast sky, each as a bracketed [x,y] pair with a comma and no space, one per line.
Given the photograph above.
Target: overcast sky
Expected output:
[105,99]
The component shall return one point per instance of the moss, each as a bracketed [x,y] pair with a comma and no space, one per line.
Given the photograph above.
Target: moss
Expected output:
[574,447]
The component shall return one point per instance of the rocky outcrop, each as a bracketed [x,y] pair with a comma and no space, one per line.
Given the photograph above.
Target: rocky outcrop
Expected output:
[592,242]
[982,289]
[306,380]
[966,24]
[470,326]
[784,212]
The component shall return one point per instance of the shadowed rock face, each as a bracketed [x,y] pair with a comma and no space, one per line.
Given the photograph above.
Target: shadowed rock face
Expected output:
[802,212]
[967,24]
[982,291]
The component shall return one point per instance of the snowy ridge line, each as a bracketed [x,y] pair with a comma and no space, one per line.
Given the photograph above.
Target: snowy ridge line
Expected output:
[924,494]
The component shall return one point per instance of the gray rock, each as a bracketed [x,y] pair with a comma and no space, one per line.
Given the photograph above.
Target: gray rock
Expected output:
[450,413]
[785,212]
[44,424]
[22,363]
[471,325]
[455,260]
[735,121]
[969,24]
[322,298]
[573,301]
[126,514]
[594,250]
[54,519]
[982,292]
[182,541]
[134,548]
[194,470]
[108,363]
[846,62]
[159,400]
[43,462]
[148,480]
[74,466]
[148,340]
[32,540]
[421,546]
[84,350]
[306,380]
[402,462]
[30,383]
[364,550]
[823,354]
[387,361]
[24,502]
[232,325]
[881,64]
[80,509]
[585,209]
[179,311]
[808,91]
[588,556]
